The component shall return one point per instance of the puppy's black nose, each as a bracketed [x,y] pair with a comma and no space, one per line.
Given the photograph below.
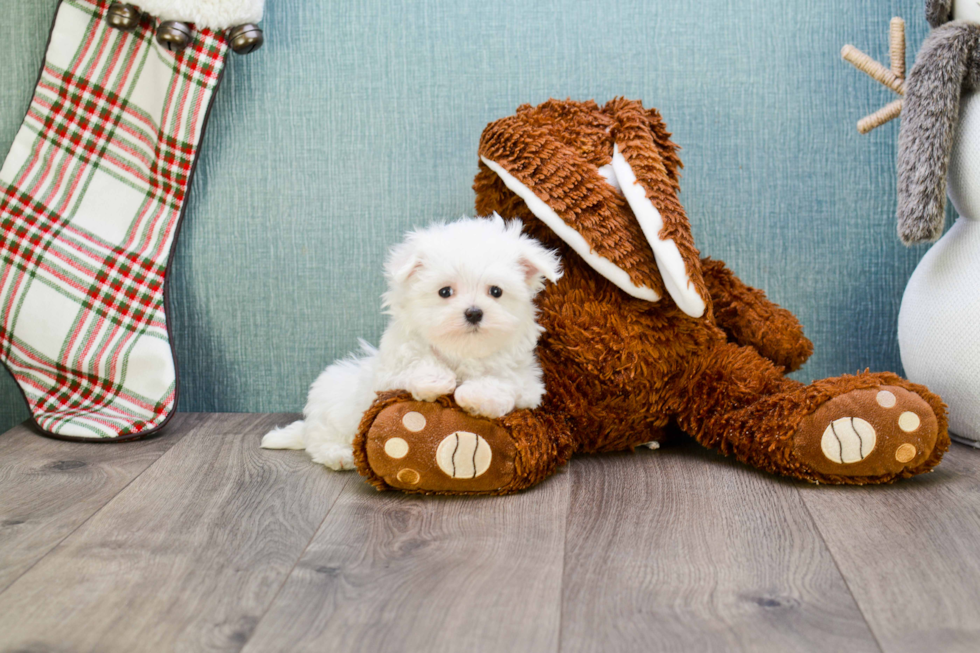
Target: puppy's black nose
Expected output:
[473,314]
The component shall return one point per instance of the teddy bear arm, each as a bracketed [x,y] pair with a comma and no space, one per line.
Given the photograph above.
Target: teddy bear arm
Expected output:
[749,318]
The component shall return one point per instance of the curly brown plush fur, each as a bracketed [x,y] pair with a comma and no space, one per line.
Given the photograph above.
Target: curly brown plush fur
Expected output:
[622,370]
[748,318]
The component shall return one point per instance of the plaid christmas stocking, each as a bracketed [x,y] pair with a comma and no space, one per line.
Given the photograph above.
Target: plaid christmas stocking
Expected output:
[91,198]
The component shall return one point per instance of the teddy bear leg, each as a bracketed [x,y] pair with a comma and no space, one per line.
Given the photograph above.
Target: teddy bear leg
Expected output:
[749,318]
[437,448]
[862,429]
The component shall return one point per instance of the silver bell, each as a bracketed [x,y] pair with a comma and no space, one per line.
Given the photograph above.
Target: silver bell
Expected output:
[174,35]
[244,39]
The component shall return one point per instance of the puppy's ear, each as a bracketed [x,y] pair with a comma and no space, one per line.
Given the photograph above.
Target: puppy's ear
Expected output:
[539,264]
[403,262]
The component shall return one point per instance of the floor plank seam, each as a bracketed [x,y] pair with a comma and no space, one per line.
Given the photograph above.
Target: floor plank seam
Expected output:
[286,578]
[840,572]
[564,556]
[89,518]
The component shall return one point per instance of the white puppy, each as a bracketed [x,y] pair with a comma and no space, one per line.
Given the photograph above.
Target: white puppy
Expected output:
[460,297]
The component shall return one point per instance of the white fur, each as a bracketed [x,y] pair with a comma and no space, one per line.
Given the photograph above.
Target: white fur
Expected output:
[216,14]
[429,349]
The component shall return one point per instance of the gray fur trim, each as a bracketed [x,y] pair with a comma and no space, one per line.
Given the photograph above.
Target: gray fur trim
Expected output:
[929,117]
[972,81]
[939,12]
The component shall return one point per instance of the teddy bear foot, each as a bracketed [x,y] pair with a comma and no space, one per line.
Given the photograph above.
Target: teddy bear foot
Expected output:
[424,447]
[870,435]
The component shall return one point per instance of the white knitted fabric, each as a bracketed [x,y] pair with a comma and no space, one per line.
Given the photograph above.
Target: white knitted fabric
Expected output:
[964,162]
[939,324]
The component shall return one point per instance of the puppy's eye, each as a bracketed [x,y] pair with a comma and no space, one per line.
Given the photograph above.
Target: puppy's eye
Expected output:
[495,291]
[446,292]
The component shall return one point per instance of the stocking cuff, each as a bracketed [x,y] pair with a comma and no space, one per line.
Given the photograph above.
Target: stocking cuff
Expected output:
[214,14]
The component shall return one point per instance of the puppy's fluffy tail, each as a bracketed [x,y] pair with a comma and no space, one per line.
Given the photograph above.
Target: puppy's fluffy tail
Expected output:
[337,401]
[287,437]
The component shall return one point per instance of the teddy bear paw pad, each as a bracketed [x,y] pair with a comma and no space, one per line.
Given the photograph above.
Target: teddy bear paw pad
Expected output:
[868,432]
[430,447]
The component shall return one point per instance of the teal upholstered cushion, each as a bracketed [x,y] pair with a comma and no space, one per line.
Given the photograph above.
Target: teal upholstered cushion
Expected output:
[359,119]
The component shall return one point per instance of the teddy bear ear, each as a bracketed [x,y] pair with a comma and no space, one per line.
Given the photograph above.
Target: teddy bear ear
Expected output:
[600,180]
[556,183]
[645,164]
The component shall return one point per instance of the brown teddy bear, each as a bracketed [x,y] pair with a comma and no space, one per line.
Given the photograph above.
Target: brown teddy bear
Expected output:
[642,335]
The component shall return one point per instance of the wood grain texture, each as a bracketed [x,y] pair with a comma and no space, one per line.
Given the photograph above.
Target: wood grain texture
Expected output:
[390,572]
[911,554]
[49,487]
[219,545]
[681,550]
[188,557]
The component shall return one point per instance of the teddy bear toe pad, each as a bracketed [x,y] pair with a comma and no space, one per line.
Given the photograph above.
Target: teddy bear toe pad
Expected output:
[428,447]
[870,432]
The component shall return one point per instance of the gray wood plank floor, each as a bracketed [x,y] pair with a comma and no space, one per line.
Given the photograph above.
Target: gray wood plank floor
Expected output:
[199,540]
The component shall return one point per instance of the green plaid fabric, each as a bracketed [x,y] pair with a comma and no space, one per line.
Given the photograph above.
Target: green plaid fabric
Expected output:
[91,195]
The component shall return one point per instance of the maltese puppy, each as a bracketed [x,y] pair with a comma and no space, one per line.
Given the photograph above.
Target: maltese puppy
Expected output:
[460,297]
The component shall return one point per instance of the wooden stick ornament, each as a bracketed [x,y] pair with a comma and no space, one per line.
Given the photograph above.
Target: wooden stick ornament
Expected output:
[893,77]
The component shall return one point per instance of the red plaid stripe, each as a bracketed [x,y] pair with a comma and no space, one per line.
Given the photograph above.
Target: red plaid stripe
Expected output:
[89,202]
[81,118]
[127,289]
[172,170]
[28,229]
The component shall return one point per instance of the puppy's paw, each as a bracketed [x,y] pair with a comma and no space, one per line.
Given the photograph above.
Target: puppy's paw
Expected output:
[482,400]
[429,386]
[530,395]
[338,457]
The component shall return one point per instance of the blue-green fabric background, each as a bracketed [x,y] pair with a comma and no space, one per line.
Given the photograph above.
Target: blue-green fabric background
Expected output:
[361,118]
